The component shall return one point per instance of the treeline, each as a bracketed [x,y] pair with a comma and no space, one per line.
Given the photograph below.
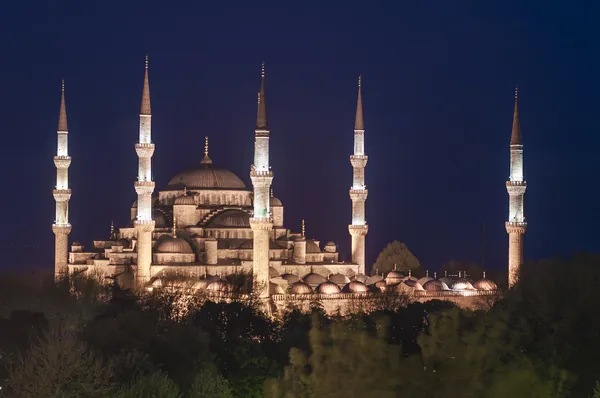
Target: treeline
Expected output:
[79,339]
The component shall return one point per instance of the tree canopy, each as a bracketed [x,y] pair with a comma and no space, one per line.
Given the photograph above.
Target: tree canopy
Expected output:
[395,254]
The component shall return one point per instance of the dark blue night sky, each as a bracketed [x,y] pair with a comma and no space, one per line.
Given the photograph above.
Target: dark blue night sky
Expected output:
[438,81]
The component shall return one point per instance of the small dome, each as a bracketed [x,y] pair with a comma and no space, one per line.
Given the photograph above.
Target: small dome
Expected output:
[381,285]
[409,286]
[373,279]
[424,280]
[276,202]
[360,278]
[274,288]
[328,288]
[230,219]
[312,247]
[76,243]
[393,278]
[448,280]
[218,286]
[125,243]
[462,284]
[169,244]
[435,285]
[330,243]
[300,288]
[291,278]
[355,287]
[314,279]
[485,284]
[160,219]
[185,200]
[273,273]
[339,279]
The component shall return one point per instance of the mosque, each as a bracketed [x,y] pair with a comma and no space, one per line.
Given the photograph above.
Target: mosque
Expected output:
[207,225]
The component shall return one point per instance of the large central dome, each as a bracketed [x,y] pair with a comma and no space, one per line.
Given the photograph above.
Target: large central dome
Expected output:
[205,176]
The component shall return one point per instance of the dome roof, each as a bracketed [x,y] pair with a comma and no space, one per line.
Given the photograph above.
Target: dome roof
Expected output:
[313,279]
[160,219]
[330,243]
[291,278]
[485,284]
[185,200]
[275,202]
[274,288]
[393,277]
[230,219]
[312,247]
[273,273]
[424,280]
[76,243]
[355,287]
[300,288]
[339,279]
[169,244]
[218,286]
[373,279]
[381,285]
[462,284]
[360,278]
[328,288]
[435,285]
[409,286]
[205,176]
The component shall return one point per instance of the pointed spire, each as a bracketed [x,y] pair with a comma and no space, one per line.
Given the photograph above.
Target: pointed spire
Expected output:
[303,228]
[185,191]
[206,159]
[62,116]
[145,110]
[358,123]
[112,227]
[515,138]
[261,115]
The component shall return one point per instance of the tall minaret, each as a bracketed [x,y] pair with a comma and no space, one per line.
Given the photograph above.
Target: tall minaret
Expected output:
[62,193]
[358,192]
[144,186]
[516,186]
[261,176]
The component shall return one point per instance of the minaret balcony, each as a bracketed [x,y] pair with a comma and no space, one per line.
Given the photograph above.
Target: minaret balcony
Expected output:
[516,226]
[358,161]
[516,183]
[358,194]
[516,188]
[144,225]
[261,133]
[144,187]
[144,150]
[62,162]
[61,229]
[61,195]
[261,173]
[261,223]
[358,230]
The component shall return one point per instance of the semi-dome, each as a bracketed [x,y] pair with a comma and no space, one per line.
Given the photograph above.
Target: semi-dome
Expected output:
[462,284]
[435,285]
[231,218]
[169,244]
[273,273]
[339,279]
[485,284]
[185,200]
[275,202]
[328,288]
[300,288]
[313,279]
[205,176]
[360,278]
[355,287]
[160,219]
[291,278]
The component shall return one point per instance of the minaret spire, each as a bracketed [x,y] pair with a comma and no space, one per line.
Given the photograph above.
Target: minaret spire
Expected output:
[144,187]
[262,177]
[358,192]
[261,114]
[516,187]
[61,193]
[206,159]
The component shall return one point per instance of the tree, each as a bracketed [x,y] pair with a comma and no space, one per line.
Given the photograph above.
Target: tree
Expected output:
[395,254]
[59,365]
[155,385]
[208,383]
[596,392]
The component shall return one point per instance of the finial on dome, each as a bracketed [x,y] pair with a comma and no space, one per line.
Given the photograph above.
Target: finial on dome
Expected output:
[303,228]
[146,61]
[409,273]
[435,275]
[483,274]
[185,191]
[395,267]
[206,159]
[174,227]
[427,273]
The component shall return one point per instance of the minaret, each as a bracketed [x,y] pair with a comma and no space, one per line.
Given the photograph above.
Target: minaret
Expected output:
[358,192]
[261,176]
[62,193]
[144,186]
[516,186]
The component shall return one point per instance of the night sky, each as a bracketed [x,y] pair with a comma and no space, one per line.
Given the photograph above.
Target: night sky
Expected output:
[438,79]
